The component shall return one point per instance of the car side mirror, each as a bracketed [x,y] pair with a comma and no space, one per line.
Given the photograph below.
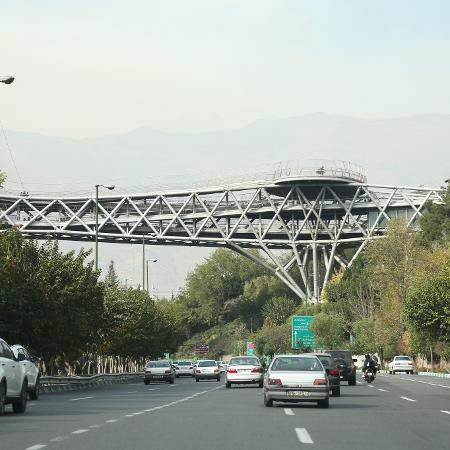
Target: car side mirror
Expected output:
[354,360]
[21,357]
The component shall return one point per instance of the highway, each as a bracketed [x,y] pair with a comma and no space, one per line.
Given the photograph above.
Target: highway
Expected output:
[395,412]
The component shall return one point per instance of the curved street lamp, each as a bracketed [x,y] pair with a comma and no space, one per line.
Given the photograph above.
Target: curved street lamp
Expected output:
[153,260]
[109,187]
[7,80]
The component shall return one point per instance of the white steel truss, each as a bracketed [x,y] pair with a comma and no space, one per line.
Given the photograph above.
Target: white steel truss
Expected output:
[313,226]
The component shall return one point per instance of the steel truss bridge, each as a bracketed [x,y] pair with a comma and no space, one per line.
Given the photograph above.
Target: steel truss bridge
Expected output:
[316,220]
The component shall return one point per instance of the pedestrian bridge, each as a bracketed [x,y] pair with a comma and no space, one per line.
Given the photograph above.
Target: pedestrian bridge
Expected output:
[317,218]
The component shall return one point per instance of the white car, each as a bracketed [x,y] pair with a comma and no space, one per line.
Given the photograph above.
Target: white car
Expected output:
[401,363]
[184,367]
[207,369]
[296,378]
[13,381]
[30,368]
[244,370]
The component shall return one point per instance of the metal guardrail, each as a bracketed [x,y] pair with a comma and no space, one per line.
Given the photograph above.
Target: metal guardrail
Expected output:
[60,384]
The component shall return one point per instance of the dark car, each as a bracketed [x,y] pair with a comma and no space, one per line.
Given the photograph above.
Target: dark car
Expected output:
[345,364]
[333,374]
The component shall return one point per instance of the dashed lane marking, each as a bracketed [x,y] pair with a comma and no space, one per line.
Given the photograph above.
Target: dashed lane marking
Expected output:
[111,421]
[444,411]
[129,415]
[382,390]
[369,385]
[59,438]
[426,382]
[359,382]
[154,389]
[95,426]
[80,398]
[131,392]
[408,399]
[36,447]
[289,412]
[81,431]
[303,436]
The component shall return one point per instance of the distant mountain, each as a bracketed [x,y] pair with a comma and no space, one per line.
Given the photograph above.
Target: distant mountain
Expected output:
[405,151]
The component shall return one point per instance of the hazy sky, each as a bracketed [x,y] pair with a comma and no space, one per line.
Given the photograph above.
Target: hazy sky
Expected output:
[94,67]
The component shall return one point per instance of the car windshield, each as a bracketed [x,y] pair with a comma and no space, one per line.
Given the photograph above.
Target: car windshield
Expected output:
[244,362]
[206,364]
[402,358]
[154,364]
[183,363]
[287,363]
[340,355]
[326,361]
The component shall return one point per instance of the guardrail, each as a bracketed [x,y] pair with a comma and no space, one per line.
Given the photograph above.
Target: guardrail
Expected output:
[62,384]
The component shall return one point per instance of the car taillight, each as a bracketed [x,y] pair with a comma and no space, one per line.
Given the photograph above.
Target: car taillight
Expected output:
[257,370]
[198,371]
[320,382]
[275,381]
[232,371]
[334,372]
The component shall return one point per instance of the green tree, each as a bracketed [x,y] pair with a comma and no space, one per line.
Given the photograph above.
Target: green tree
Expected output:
[111,278]
[2,178]
[364,336]
[278,309]
[328,330]
[273,339]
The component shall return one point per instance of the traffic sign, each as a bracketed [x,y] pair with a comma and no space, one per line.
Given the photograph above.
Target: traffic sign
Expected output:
[250,348]
[301,335]
[202,348]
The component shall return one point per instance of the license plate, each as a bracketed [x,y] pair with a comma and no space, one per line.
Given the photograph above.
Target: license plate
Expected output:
[244,371]
[157,376]
[298,393]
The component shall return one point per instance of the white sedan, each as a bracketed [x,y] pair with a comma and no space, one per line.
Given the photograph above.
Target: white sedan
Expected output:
[401,364]
[31,370]
[244,370]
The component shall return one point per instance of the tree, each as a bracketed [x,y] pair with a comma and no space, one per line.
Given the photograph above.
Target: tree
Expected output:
[278,309]
[271,340]
[328,330]
[2,178]
[111,278]
[427,307]
[364,337]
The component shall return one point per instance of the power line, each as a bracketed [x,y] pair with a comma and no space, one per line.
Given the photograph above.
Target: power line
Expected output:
[11,155]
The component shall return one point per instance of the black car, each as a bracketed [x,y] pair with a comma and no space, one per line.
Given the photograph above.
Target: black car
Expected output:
[333,373]
[345,364]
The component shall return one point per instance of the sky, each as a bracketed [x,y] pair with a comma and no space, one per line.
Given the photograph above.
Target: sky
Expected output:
[95,67]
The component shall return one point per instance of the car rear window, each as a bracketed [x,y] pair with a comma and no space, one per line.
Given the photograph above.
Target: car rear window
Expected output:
[336,354]
[327,361]
[156,364]
[207,364]
[402,358]
[244,362]
[183,363]
[287,363]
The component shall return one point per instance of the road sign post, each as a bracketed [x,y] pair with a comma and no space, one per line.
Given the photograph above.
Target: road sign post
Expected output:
[250,348]
[301,335]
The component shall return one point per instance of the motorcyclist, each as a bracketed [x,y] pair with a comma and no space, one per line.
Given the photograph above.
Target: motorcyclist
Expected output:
[369,365]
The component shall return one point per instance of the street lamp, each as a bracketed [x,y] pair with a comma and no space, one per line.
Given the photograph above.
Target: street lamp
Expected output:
[149,260]
[106,186]
[7,80]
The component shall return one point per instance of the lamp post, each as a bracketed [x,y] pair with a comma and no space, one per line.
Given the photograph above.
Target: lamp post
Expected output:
[109,187]
[7,80]
[149,260]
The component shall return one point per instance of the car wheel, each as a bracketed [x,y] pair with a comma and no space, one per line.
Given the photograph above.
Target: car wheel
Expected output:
[2,399]
[34,393]
[267,402]
[196,379]
[147,382]
[218,378]
[172,380]
[20,405]
[393,372]
[336,392]
[324,403]
[260,384]
[352,381]
[228,385]
[390,372]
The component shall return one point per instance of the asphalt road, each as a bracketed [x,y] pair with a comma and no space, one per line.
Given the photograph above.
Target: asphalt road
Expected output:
[395,412]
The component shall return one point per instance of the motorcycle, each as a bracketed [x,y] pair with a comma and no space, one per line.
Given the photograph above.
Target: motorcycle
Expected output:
[369,376]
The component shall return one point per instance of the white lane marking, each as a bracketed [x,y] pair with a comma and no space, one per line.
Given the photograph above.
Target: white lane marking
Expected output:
[36,447]
[426,382]
[408,399]
[59,439]
[134,384]
[359,382]
[95,426]
[129,415]
[303,436]
[111,421]
[289,412]
[80,398]
[382,390]
[30,404]
[154,389]
[444,411]
[80,431]
[131,392]
[369,385]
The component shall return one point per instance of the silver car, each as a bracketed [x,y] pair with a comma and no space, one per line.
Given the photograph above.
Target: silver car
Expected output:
[31,370]
[244,370]
[296,378]
[207,369]
[184,367]
[159,371]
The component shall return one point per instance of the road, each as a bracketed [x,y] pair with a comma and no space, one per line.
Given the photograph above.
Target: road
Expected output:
[396,412]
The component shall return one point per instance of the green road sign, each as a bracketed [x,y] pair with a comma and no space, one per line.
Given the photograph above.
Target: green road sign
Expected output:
[300,332]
